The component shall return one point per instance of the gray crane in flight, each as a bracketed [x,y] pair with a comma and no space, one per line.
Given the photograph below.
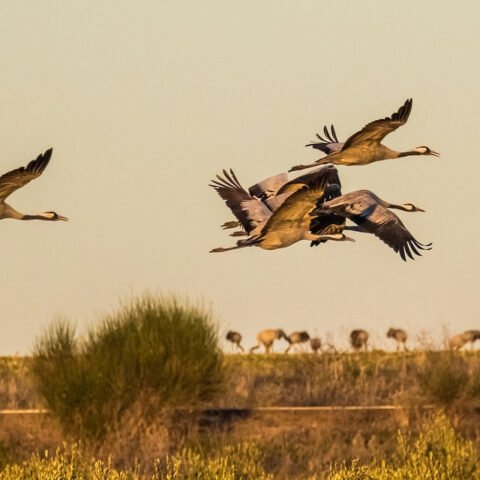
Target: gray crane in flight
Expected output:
[365,146]
[373,215]
[287,224]
[15,179]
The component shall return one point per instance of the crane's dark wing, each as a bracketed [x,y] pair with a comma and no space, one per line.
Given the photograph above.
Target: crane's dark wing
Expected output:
[268,187]
[327,175]
[15,179]
[395,235]
[329,143]
[274,203]
[362,208]
[294,212]
[375,131]
[327,223]
[249,211]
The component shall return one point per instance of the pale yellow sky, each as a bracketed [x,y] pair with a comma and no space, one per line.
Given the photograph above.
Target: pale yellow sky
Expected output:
[144,102]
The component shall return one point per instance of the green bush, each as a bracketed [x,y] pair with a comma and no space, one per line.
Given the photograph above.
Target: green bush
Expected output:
[239,462]
[436,454]
[156,351]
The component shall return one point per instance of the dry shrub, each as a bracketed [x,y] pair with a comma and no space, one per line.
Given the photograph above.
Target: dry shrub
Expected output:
[444,377]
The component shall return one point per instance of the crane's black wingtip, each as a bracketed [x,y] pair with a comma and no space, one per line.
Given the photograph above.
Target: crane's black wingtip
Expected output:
[47,154]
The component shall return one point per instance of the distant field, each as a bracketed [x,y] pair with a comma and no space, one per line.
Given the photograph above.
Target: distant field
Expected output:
[373,378]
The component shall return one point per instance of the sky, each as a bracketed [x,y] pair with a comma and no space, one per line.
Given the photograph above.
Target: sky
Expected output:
[145,102]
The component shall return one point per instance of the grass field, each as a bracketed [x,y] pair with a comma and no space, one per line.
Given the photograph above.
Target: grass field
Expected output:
[374,378]
[285,444]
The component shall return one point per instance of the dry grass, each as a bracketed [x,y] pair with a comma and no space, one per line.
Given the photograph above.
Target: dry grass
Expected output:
[374,378]
[295,445]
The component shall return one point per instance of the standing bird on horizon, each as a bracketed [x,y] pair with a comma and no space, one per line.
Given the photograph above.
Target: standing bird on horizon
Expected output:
[458,341]
[235,338]
[365,146]
[296,338]
[267,337]
[290,222]
[400,336]
[15,179]
[359,340]
[372,215]
[315,344]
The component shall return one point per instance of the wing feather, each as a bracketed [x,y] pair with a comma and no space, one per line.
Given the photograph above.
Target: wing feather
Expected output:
[391,230]
[327,223]
[327,175]
[364,209]
[375,131]
[329,143]
[294,213]
[15,179]
[268,187]
[249,211]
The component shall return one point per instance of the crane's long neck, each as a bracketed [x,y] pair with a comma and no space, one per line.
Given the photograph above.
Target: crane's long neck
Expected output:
[35,217]
[408,153]
[385,153]
[405,208]
[10,212]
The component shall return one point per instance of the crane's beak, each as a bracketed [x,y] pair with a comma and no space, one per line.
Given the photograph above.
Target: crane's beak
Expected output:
[59,217]
[435,154]
[417,209]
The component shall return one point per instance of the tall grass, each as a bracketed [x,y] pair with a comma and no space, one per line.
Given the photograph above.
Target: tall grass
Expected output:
[16,389]
[237,462]
[437,453]
[328,379]
[444,377]
[157,352]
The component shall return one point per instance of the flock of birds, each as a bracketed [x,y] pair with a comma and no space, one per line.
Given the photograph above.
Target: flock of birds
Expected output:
[278,212]
[358,339]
